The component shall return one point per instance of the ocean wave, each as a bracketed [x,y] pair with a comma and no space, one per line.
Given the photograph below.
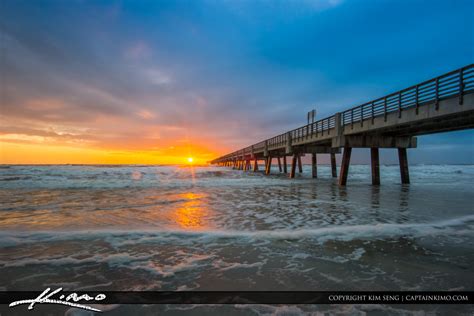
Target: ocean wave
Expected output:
[141,176]
[322,234]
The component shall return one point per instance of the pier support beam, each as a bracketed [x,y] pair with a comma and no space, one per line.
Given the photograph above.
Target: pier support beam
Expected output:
[279,164]
[333,165]
[374,159]
[368,141]
[300,166]
[255,165]
[284,165]
[269,165]
[346,159]
[402,157]
[293,165]
[314,166]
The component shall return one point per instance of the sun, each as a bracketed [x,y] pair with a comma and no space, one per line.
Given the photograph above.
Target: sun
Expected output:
[190,159]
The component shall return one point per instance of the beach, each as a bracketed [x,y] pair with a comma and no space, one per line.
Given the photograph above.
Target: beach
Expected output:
[143,228]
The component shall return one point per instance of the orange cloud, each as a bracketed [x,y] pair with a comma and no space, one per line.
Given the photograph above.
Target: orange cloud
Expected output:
[45,105]
[145,114]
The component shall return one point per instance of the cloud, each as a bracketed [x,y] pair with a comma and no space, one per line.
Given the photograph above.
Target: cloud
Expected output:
[138,50]
[157,77]
[146,115]
[143,77]
[23,134]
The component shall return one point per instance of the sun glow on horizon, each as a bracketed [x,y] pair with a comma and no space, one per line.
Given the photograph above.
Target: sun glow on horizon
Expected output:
[41,153]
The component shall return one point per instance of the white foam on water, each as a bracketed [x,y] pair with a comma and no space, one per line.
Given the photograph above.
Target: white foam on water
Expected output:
[146,263]
[111,259]
[354,256]
[192,262]
[357,254]
[225,266]
[323,234]
[134,176]
[301,256]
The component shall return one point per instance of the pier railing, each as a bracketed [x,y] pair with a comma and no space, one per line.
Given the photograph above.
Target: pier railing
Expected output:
[455,83]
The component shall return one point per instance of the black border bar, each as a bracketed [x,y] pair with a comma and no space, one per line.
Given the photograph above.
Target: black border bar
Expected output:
[258,297]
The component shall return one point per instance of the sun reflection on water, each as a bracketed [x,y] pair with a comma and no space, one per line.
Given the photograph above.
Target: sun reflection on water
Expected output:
[192,214]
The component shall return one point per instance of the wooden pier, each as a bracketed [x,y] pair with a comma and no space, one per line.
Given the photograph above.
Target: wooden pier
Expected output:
[441,104]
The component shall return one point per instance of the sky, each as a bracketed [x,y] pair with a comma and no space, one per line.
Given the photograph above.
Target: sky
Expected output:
[161,81]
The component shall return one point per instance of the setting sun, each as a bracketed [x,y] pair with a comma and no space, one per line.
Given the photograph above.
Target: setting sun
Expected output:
[190,159]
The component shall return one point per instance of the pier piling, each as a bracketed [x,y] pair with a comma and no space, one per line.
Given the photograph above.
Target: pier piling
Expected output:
[293,166]
[269,165]
[402,157]
[314,166]
[346,159]
[300,166]
[333,165]
[374,159]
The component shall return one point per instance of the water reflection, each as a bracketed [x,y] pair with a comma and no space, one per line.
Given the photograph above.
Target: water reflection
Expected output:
[404,214]
[192,214]
[375,203]
[375,196]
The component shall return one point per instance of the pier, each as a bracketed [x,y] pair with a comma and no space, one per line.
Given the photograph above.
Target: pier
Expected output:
[441,104]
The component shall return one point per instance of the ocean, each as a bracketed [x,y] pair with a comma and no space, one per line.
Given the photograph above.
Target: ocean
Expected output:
[141,228]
